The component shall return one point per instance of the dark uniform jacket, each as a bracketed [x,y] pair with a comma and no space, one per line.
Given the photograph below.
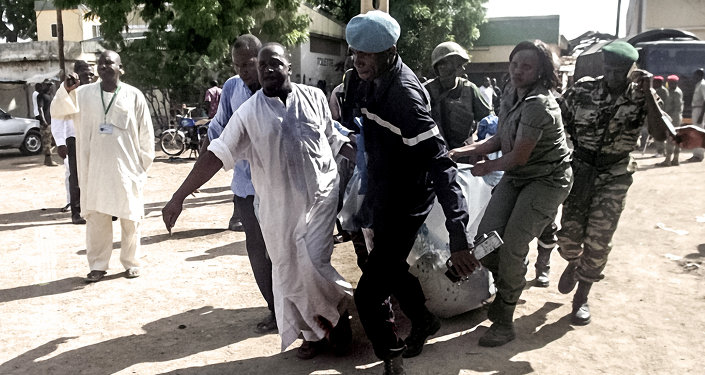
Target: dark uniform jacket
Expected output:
[456,111]
[408,161]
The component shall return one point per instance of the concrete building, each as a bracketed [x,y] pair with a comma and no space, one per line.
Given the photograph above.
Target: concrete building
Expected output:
[688,15]
[322,57]
[498,36]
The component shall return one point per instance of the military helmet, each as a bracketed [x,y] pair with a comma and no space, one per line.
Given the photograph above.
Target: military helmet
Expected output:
[447,49]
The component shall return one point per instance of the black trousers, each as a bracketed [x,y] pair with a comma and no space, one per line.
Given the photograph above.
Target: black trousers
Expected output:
[74,190]
[256,249]
[386,273]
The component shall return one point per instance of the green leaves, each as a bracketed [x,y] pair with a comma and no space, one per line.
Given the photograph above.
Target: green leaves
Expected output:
[188,42]
[19,20]
[427,23]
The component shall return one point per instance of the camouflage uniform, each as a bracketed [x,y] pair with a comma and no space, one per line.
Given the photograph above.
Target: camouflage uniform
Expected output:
[603,173]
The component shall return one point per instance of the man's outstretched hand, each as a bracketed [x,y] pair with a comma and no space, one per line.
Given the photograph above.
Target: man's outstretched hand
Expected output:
[171,212]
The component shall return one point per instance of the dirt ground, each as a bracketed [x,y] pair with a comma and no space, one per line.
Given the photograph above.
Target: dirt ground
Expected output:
[194,308]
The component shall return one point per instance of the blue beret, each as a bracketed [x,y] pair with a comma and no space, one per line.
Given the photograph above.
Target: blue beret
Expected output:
[620,53]
[372,32]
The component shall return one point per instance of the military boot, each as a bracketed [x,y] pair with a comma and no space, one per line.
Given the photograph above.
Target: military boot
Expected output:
[502,329]
[394,366]
[580,315]
[569,278]
[543,266]
[420,331]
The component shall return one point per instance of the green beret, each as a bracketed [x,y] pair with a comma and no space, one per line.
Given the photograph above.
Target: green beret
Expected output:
[620,53]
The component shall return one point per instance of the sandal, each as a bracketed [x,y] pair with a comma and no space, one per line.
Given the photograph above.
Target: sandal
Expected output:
[133,272]
[94,276]
[269,324]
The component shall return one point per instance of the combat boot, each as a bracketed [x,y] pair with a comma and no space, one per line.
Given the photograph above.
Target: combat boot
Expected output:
[501,331]
[394,366]
[569,278]
[543,266]
[419,333]
[48,161]
[580,315]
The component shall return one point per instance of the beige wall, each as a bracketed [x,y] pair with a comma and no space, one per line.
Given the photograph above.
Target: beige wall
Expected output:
[76,28]
[495,54]
[323,25]
[686,15]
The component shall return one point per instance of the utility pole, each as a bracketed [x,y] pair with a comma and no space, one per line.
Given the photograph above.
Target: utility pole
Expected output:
[367,5]
[60,36]
[619,10]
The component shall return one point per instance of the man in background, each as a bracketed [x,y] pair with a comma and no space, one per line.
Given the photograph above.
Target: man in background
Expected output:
[212,98]
[65,135]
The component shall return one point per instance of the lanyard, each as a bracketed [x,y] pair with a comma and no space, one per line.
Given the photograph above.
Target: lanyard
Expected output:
[112,100]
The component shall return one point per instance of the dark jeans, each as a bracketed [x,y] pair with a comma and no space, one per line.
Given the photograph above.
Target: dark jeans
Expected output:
[256,249]
[386,273]
[74,190]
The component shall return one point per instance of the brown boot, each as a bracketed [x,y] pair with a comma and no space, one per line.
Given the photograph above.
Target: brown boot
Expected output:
[49,162]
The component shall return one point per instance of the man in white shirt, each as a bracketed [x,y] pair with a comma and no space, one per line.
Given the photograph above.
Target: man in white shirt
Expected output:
[65,136]
[286,132]
[114,149]
[487,91]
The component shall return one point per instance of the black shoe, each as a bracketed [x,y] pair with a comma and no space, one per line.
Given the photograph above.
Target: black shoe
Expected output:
[77,219]
[568,279]
[419,334]
[394,366]
[66,208]
[94,276]
[498,335]
[693,159]
[235,225]
[580,315]
[269,324]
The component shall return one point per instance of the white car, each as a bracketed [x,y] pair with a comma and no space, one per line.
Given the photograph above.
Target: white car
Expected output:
[22,133]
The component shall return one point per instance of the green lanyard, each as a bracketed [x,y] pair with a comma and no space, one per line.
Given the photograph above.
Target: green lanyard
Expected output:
[112,100]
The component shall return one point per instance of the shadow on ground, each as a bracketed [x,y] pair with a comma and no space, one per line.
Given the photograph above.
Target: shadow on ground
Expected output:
[177,336]
[176,235]
[443,356]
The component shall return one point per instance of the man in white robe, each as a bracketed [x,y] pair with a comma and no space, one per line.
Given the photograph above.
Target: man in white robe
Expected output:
[115,147]
[286,133]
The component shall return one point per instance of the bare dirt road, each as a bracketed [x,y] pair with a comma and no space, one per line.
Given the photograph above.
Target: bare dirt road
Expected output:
[194,308]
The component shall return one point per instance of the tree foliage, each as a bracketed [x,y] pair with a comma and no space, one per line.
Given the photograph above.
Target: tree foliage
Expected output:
[426,23]
[342,10]
[187,42]
[19,20]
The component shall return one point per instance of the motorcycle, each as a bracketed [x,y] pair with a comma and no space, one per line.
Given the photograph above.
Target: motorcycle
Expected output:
[187,134]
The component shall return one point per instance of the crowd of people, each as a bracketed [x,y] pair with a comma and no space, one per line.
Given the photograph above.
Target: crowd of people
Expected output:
[285,146]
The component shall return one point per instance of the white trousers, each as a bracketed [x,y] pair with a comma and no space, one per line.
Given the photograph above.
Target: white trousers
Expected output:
[99,241]
[697,112]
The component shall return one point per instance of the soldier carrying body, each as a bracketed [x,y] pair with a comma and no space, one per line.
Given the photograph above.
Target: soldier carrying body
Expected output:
[603,116]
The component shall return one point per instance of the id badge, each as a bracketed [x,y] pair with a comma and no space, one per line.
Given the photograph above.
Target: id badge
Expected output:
[105,128]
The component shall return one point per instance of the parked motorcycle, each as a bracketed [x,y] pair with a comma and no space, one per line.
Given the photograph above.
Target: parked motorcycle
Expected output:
[187,134]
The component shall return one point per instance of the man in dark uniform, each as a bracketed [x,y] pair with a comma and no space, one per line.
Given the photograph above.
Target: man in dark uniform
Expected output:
[408,165]
[603,117]
[456,103]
